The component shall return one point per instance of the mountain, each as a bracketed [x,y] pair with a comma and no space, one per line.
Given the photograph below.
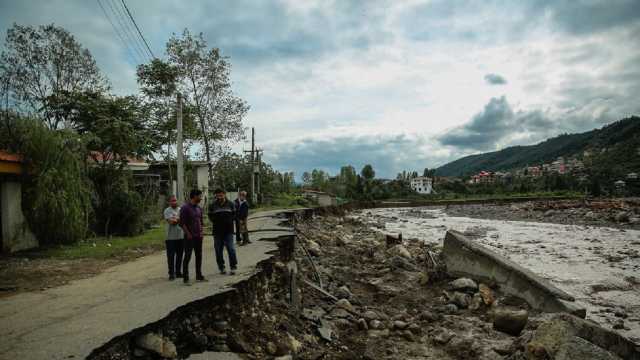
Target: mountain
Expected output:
[615,148]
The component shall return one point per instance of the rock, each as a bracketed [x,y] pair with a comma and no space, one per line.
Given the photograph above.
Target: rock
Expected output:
[398,262]
[400,250]
[510,321]
[464,284]
[634,220]
[343,292]
[462,300]
[284,357]
[580,349]
[476,302]
[443,336]
[344,304]
[325,330]
[370,315]
[450,309]
[314,248]
[622,216]
[376,324]
[294,344]
[362,324]
[487,294]
[378,333]
[137,352]
[415,328]
[400,325]
[619,324]
[272,348]
[429,316]
[157,344]
[549,213]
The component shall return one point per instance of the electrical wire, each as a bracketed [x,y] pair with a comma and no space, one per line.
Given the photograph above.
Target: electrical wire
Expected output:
[131,39]
[138,28]
[132,59]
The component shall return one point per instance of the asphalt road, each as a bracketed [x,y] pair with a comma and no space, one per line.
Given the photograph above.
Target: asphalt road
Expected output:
[71,320]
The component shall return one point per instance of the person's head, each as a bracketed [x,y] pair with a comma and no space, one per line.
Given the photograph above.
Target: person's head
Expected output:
[220,194]
[195,195]
[173,201]
[242,195]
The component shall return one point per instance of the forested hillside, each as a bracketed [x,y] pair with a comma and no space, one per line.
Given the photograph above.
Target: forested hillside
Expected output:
[615,149]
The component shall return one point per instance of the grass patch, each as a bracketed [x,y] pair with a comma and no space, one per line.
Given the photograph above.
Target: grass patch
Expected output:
[103,248]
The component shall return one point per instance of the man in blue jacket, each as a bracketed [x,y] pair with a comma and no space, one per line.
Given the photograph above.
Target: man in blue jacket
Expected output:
[222,213]
[242,213]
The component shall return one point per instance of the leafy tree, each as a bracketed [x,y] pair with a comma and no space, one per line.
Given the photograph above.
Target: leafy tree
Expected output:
[306,178]
[57,193]
[114,130]
[158,82]
[368,173]
[204,80]
[43,68]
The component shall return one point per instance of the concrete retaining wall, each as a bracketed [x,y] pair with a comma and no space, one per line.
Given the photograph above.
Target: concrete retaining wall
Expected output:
[16,235]
[464,257]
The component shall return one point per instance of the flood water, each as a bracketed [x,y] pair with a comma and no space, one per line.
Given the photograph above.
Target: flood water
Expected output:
[600,266]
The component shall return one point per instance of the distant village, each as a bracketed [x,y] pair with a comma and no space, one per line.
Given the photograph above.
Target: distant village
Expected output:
[571,166]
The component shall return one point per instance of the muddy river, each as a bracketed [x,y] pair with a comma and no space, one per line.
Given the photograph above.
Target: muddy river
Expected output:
[600,266]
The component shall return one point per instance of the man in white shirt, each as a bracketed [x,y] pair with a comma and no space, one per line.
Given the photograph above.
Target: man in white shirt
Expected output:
[174,241]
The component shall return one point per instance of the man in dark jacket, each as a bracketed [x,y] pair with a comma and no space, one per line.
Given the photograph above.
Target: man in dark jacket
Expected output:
[242,213]
[222,213]
[191,223]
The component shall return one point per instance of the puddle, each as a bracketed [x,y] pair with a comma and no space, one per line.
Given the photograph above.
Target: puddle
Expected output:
[599,266]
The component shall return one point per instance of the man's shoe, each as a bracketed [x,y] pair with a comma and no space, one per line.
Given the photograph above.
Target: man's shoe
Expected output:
[232,272]
[171,277]
[242,244]
[223,272]
[186,283]
[201,279]
[178,275]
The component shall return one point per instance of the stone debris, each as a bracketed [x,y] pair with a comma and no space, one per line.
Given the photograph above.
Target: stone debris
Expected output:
[157,344]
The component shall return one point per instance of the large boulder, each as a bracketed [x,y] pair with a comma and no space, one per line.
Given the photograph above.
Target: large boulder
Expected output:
[558,339]
[510,321]
[464,284]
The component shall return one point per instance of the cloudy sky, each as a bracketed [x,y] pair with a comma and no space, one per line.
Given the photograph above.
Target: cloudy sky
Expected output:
[398,84]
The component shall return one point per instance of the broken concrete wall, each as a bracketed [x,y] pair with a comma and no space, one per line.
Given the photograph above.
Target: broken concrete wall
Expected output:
[464,257]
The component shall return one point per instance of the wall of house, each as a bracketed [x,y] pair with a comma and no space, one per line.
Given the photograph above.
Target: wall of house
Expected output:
[15,231]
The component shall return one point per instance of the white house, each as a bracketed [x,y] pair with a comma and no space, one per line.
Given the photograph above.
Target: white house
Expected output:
[422,185]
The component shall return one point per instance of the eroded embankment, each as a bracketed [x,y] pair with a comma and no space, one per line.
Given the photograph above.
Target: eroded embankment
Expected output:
[218,322]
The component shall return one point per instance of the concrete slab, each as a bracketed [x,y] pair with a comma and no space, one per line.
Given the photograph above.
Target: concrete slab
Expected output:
[72,320]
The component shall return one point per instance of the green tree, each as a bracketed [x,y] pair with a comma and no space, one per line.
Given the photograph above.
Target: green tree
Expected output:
[57,194]
[43,69]
[368,173]
[204,80]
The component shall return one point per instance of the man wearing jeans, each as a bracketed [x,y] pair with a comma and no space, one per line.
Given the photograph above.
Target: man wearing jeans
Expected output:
[191,221]
[222,213]
[174,240]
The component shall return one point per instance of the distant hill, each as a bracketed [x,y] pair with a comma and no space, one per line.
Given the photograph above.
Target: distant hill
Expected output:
[615,148]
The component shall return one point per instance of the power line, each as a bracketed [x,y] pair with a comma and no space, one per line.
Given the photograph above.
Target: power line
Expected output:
[137,28]
[117,31]
[124,24]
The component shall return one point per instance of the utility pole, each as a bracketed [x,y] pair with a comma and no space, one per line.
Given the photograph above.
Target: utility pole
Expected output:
[180,151]
[255,167]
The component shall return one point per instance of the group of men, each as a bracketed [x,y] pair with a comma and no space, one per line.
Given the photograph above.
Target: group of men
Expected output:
[185,232]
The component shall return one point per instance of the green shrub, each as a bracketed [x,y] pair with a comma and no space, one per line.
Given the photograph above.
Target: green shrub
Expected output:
[55,189]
